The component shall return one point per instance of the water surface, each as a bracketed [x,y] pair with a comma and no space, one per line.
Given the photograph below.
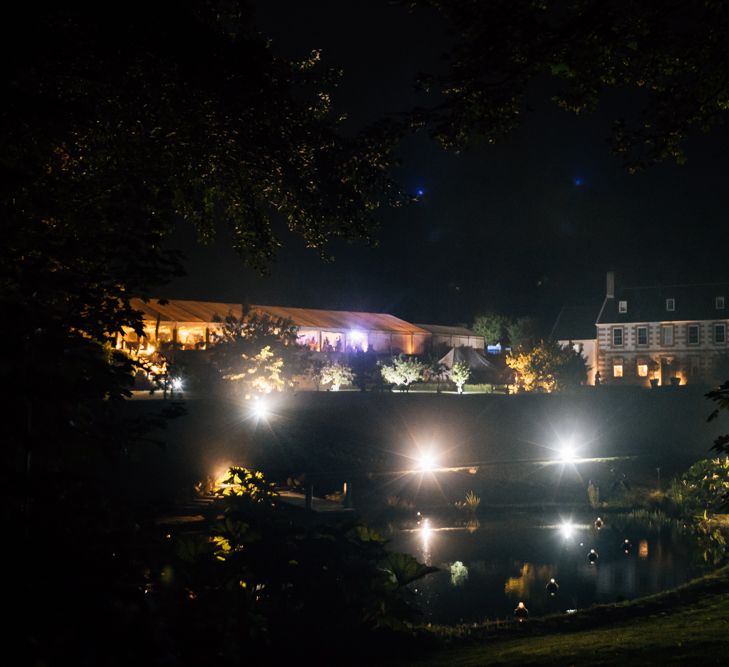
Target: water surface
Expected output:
[488,565]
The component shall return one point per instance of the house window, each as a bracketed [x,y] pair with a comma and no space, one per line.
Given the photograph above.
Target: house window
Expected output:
[642,335]
[670,305]
[693,334]
[618,368]
[667,334]
[719,302]
[642,368]
[720,333]
[617,336]
[622,306]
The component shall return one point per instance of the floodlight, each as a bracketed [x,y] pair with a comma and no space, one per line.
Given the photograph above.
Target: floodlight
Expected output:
[426,462]
[260,410]
[567,529]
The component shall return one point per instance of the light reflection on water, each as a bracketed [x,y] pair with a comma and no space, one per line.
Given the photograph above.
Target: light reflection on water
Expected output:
[488,566]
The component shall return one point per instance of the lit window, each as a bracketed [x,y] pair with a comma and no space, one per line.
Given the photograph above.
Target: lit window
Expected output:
[670,305]
[693,334]
[642,335]
[618,369]
[642,369]
[720,303]
[622,306]
[667,334]
[617,336]
[720,333]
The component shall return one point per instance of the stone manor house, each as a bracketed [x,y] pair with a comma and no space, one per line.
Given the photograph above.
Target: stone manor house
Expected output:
[660,335]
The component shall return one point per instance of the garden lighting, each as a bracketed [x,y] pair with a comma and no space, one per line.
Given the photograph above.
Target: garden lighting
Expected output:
[260,409]
[426,462]
[567,529]
[567,453]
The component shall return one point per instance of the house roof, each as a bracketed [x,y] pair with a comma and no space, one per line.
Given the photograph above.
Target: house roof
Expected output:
[204,312]
[576,322]
[443,330]
[648,304]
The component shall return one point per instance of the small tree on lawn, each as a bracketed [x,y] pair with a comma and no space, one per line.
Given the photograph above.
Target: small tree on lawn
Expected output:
[336,375]
[459,375]
[403,371]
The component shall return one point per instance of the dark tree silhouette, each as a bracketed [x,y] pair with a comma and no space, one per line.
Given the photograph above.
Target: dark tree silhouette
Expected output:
[119,123]
[672,55]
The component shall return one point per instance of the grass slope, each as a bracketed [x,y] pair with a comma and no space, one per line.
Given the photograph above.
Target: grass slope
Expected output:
[686,626]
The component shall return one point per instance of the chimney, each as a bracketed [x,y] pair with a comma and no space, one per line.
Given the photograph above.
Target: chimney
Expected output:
[610,286]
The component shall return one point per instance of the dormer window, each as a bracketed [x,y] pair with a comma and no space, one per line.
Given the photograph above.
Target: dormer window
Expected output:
[719,301]
[622,306]
[670,305]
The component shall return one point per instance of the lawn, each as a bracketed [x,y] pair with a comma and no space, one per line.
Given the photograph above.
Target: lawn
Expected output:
[686,626]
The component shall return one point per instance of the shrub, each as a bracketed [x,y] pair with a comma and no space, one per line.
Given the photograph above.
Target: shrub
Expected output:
[703,488]
[251,577]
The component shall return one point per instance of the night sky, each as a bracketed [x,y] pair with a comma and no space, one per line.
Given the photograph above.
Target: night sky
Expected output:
[520,228]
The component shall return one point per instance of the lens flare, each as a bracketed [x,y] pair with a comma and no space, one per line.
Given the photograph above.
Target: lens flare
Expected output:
[567,453]
[260,410]
[426,462]
[567,529]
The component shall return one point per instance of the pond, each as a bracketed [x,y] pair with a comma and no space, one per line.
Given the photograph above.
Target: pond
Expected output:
[487,565]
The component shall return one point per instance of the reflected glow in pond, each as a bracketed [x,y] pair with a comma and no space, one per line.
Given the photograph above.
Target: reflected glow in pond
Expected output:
[487,566]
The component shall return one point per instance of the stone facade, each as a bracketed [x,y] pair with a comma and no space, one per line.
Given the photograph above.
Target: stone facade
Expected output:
[663,335]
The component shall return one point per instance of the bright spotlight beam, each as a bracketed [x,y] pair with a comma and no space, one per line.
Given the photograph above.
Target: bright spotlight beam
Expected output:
[567,454]
[260,411]
[426,462]
[567,529]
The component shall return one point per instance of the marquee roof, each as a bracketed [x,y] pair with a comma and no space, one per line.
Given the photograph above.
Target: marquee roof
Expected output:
[203,312]
[442,330]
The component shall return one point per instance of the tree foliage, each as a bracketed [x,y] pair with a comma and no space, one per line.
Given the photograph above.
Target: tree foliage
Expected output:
[519,333]
[703,488]
[720,396]
[523,333]
[260,373]
[336,374]
[459,374]
[272,580]
[492,327]
[667,58]
[547,367]
[403,371]
[259,351]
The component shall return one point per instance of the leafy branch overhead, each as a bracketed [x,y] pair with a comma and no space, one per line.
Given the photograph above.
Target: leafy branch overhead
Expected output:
[668,59]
